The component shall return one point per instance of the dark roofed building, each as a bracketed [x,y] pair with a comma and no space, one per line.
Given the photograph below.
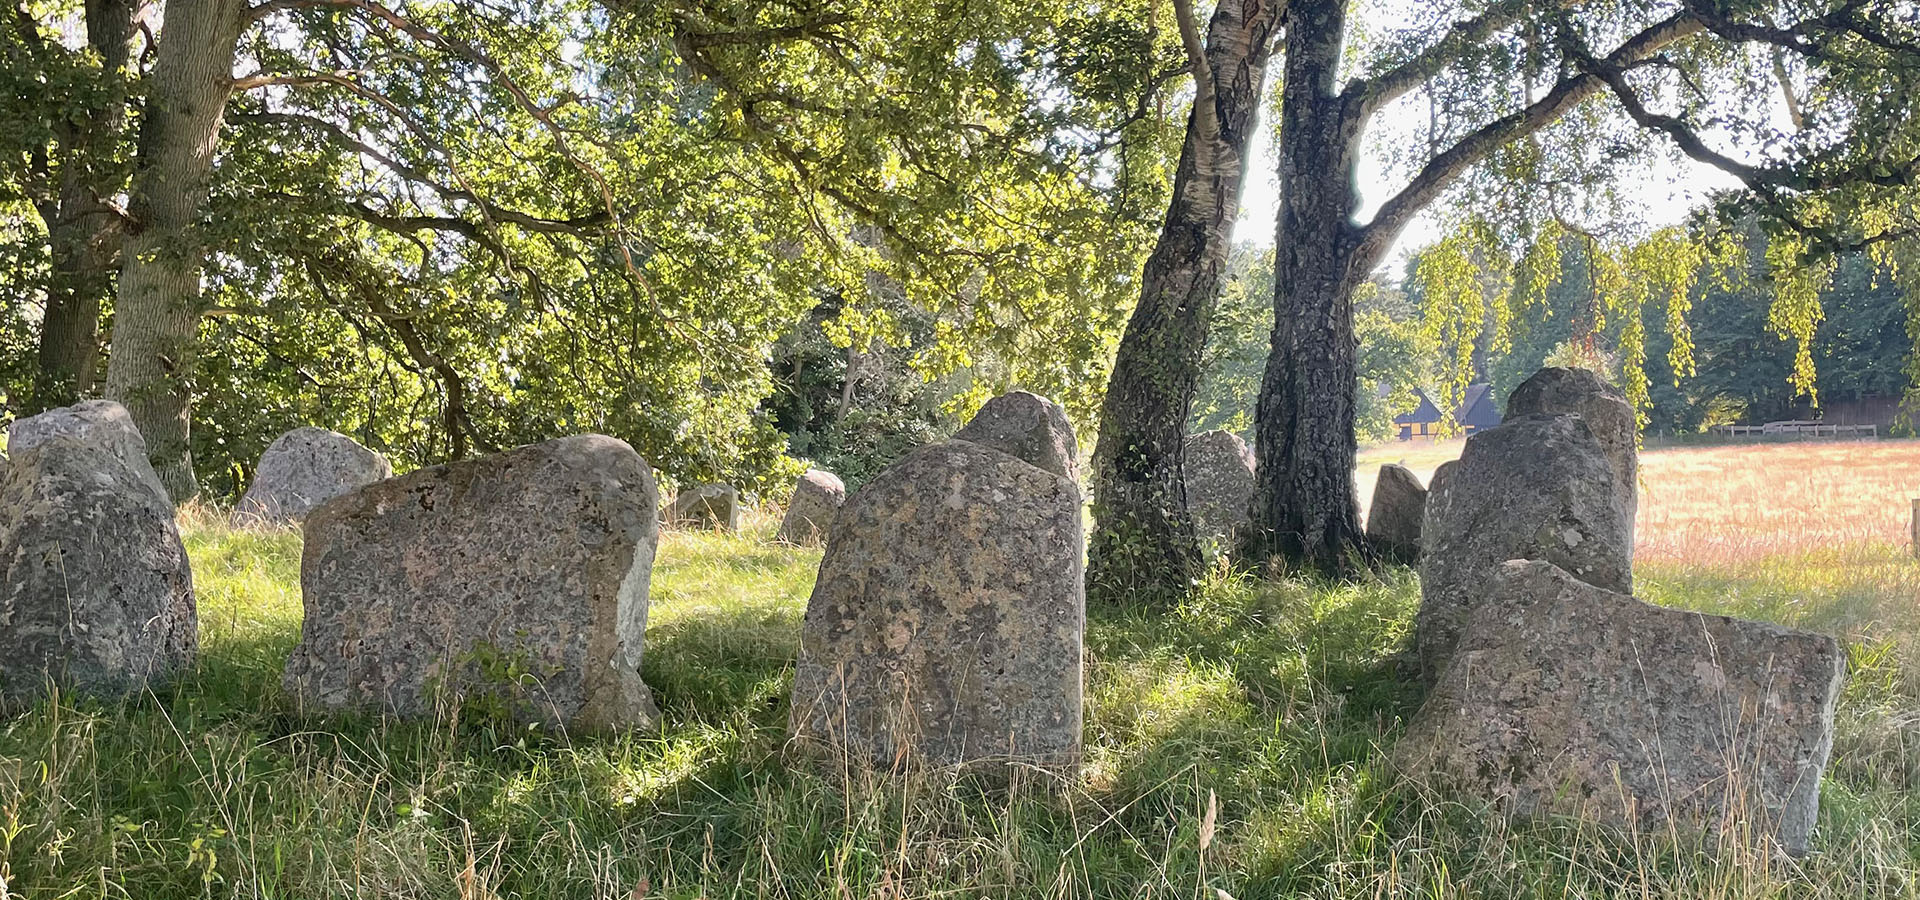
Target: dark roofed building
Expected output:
[1477,411]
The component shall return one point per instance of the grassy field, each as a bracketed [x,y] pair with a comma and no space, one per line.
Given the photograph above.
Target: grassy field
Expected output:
[1235,745]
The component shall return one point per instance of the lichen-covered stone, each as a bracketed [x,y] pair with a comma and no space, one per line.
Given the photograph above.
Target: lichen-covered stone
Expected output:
[1218,468]
[945,628]
[95,591]
[301,470]
[817,498]
[707,506]
[101,422]
[1608,415]
[519,579]
[1535,487]
[1567,698]
[1394,518]
[1030,427]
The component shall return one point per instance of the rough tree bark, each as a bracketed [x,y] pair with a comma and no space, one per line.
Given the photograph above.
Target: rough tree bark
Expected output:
[1144,545]
[1305,507]
[83,227]
[158,304]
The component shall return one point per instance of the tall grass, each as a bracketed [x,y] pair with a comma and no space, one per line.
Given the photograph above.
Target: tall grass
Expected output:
[1234,744]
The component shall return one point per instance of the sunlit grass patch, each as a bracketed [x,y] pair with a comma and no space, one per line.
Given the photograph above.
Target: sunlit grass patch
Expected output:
[1271,704]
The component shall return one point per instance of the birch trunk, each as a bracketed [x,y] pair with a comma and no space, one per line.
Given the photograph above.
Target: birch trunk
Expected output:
[1144,544]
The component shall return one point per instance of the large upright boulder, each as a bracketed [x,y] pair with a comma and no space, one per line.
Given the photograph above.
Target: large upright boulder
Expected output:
[301,470]
[945,628]
[817,498]
[1535,487]
[101,422]
[1566,698]
[95,592]
[519,577]
[1218,468]
[706,506]
[1398,509]
[1030,427]
[1579,392]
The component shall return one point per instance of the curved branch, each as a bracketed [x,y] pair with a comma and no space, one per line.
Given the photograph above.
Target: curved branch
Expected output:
[1205,111]
[1383,88]
[1690,143]
[413,175]
[1443,169]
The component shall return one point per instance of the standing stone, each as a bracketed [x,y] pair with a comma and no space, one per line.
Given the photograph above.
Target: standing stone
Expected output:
[1536,487]
[95,591]
[1218,468]
[1399,506]
[709,506]
[1609,416]
[519,577]
[817,498]
[304,468]
[101,422]
[946,625]
[1030,427]
[1567,698]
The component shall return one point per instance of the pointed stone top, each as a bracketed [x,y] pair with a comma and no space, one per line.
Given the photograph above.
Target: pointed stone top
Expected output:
[1029,427]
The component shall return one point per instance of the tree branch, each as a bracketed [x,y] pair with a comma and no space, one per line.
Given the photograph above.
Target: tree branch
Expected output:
[489,209]
[1205,108]
[1613,74]
[1383,88]
[1444,168]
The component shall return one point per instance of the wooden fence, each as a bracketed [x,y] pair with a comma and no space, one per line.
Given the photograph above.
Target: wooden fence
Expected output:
[1799,429]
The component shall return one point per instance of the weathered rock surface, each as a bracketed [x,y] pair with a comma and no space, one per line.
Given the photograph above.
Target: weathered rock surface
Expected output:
[1609,416]
[1398,509]
[946,625]
[1218,468]
[101,422]
[301,470]
[1566,698]
[1030,427]
[817,498]
[707,506]
[95,592]
[1536,487]
[518,579]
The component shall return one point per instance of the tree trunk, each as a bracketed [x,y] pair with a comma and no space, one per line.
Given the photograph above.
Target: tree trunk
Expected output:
[1306,511]
[83,229]
[158,306]
[1144,544]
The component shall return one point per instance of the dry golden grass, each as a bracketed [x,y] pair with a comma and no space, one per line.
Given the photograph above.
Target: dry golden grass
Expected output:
[1735,505]
[1721,506]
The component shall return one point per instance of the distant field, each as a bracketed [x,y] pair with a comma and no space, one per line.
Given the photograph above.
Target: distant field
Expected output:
[1718,506]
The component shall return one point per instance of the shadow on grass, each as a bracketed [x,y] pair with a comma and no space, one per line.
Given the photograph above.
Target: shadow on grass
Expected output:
[1277,701]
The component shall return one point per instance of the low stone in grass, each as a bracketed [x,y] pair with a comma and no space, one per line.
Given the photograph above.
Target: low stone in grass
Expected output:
[1218,468]
[945,628]
[95,591]
[301,470]
[517,580]
[708,506]
[101,422]
[1394,518]
[1565,698]
[817,498]
[1030,427]
[1536,487]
